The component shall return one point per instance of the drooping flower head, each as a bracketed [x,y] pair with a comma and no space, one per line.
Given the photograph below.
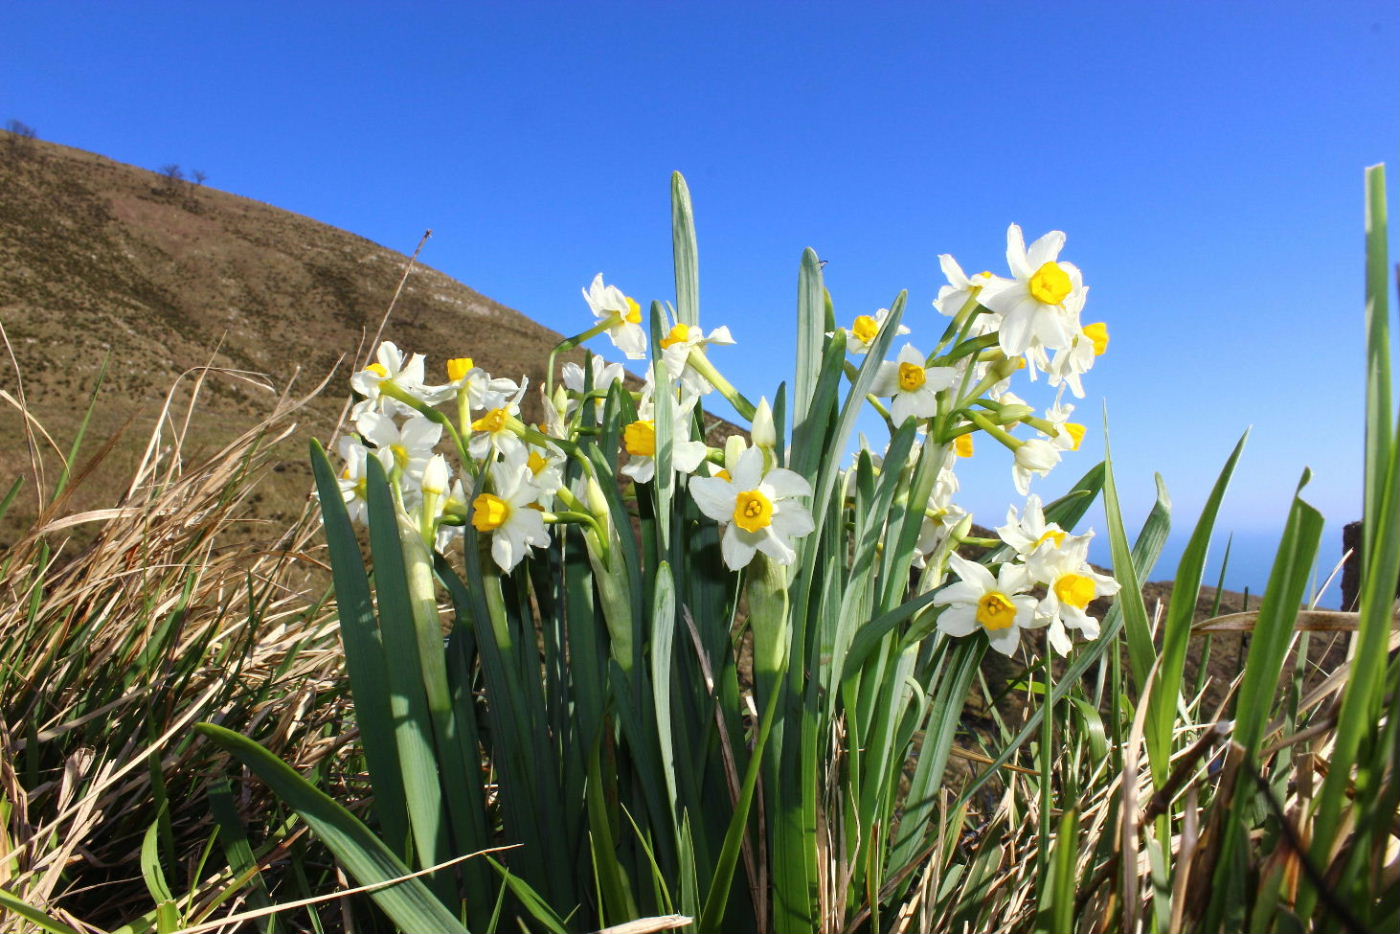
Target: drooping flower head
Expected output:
[621,315]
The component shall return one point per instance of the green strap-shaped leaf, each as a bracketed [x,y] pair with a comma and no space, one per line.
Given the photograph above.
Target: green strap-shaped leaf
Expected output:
[364,654]
[365,857]
[686,254]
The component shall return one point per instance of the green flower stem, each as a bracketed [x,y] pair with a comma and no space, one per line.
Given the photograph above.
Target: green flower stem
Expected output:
[961,320]
[702,365]
[964,349]
[995,430]
[569,343]
[394,391]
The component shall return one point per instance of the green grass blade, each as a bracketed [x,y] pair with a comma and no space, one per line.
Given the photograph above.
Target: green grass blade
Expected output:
[408,902]
[11,902]
[10,495]
[1166,687]
[685,253]
[1057,905]
[1379,385]
[1141,653]
[67,473]
[364,655]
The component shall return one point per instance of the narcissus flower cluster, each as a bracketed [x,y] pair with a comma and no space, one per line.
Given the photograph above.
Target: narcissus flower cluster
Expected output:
[509,481]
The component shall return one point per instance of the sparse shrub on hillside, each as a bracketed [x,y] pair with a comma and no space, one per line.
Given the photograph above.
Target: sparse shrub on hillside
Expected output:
[19,141]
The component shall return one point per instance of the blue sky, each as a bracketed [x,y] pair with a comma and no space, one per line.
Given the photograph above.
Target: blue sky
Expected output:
[1205,160]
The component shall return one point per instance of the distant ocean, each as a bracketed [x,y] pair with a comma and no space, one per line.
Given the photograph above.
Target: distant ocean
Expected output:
[1251,559]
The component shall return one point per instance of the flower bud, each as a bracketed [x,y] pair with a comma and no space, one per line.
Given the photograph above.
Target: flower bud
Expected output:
[764,433]
[1014,413]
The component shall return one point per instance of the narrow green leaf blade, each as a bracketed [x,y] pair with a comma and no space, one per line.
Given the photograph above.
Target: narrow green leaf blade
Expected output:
[408,902]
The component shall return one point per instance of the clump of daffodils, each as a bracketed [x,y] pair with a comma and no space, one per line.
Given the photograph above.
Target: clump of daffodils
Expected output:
[465,465]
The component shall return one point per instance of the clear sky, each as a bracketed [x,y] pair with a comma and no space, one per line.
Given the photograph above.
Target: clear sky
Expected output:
[1205,160]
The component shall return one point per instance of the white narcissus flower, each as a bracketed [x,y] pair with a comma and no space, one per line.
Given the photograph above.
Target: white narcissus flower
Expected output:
[409,444]
[1071,585]
[960,290]
[495,429]
[675,353]
[546,466]
[507,512]
[1027,531]
[912,385]
[604,375]
[999,605]
[639,439]
[759,511]
[1068,435]
[391,366]
[1035,456]
[354,483]
[1043,301]
[620,314]
[1072,362]
[863,331]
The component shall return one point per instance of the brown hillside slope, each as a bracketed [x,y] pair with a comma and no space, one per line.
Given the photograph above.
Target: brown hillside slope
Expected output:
[98,258]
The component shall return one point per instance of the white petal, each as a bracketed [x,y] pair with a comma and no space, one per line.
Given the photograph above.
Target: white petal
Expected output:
[715,496]
[792,521]
[1005,640]
[774,547]
[959,620]
[972,572]
[737,554]
[1045,250]
[787,483]
[748,473]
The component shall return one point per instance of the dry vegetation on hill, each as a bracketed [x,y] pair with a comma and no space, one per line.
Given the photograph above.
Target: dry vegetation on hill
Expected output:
[99,258]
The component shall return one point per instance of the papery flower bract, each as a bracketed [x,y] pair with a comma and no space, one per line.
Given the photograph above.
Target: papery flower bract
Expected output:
[676,347]
[506,511]
[912,386]
[863,331]
[1043,301]
[999,605]
[621,315]
[455,504]
[1034,456]
[758,510]
[1071,585]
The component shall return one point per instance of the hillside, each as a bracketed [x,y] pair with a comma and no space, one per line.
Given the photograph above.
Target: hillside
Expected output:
[100,258]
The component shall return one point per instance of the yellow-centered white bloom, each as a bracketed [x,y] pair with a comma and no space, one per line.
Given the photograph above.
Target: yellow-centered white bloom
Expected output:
[1070,586]
[960,290]
[507,514]
[912,386]
[354,484]
[1072,362]
[1027,531]
[391,366]
[621,315]
[409,445]
[676,347]
[639,439]
[1043,301]
[497,426]
[863,331]
[1068,435]
[604,375]
[997,605]
[759,511]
